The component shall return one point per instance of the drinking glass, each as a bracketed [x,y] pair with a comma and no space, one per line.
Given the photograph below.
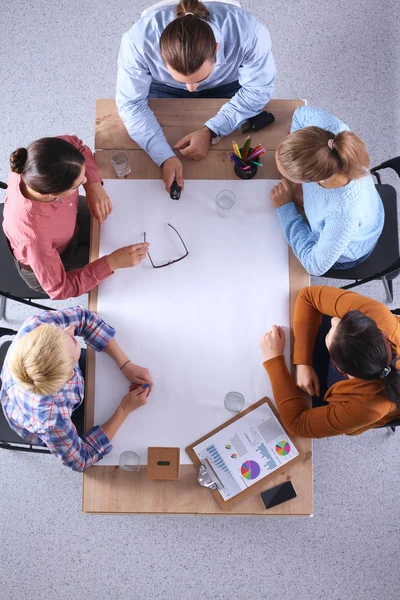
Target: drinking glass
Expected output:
[234,402]
[120,159]
[225,200]
[129,461]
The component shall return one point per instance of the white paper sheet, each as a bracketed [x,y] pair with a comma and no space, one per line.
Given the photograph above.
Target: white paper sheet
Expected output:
[245,451]
[194,324]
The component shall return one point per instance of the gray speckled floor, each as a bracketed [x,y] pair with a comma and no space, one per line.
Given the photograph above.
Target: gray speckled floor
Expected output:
[56,59]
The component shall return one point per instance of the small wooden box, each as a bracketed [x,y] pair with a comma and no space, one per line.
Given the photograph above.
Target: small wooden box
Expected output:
[163,463]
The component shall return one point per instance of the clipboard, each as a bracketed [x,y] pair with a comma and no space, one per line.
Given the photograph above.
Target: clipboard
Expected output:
[256,486]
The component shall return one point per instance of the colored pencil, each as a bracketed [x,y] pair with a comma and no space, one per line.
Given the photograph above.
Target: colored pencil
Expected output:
[238,162]
[254,155]
[236,148]
[246,148]
[254,162]
[258,148]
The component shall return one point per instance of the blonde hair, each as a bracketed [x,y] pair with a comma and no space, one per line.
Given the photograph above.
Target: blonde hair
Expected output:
[40,361]
[314,154]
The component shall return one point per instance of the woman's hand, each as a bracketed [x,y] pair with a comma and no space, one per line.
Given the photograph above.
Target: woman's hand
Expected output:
[128,256]
[98,202]
[272,344]
[135,399]
[281,194]
[307,380]
[138,376]
[172,169]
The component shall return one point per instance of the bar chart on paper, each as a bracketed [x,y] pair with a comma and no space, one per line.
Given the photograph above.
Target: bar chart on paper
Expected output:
[217,458]
[227,484]
[270,464]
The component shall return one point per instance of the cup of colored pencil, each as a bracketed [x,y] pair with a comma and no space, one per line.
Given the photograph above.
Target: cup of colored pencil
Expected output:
[246,159]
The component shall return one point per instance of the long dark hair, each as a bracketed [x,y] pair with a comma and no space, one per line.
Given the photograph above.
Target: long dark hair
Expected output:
[359,348]
[188,41]
[48,166]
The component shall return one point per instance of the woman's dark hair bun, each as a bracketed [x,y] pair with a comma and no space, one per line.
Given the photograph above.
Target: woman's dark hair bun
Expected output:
[18,159]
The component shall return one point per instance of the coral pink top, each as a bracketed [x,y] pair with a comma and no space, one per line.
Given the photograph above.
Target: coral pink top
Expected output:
[39,232]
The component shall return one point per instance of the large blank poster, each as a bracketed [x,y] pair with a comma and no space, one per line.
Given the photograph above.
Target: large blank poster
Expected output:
[194,324]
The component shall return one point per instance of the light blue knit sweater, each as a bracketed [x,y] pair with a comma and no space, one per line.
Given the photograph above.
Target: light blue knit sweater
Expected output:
[344,223]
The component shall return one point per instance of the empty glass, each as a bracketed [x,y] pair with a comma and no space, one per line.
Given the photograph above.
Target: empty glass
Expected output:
[225,200]
[129,461]
[120,159]
[234,402]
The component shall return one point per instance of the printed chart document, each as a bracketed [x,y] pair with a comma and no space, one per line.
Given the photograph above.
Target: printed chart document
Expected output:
[246,451]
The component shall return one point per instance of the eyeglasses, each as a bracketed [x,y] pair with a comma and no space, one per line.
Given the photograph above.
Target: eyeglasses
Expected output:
[171,262]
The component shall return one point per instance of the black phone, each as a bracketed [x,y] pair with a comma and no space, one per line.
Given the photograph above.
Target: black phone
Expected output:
[277,495]
[175,192]
[259,121]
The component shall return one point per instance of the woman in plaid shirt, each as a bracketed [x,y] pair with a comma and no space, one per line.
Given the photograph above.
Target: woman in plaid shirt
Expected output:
[43,384]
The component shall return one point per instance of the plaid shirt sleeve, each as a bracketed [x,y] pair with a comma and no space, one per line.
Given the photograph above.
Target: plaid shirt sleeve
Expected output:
[96,332]
[78,453]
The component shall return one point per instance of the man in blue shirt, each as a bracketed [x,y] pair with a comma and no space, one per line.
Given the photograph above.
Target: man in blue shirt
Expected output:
[216,51]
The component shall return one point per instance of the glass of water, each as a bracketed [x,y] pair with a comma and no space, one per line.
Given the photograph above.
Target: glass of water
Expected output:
[224,201]
[120,159]
[129,461]
[234,402]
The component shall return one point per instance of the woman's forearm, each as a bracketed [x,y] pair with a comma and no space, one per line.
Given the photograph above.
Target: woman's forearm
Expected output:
[113,350]
[111,426]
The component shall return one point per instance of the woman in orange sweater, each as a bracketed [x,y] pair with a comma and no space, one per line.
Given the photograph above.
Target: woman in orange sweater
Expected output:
[351,372]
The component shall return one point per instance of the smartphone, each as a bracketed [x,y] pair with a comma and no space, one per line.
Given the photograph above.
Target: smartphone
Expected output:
[277,495]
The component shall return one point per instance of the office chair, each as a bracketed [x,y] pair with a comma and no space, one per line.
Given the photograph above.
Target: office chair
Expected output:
[9,440]
[384,262]
[12,286]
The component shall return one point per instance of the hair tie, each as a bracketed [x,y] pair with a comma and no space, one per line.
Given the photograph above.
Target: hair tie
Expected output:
[331,144]
[189,13]
[385,372]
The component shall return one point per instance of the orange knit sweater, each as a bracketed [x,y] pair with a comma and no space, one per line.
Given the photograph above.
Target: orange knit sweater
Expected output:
[355,405]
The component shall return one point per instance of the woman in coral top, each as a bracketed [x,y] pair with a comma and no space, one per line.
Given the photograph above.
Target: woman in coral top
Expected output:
[47,223]
[346,352]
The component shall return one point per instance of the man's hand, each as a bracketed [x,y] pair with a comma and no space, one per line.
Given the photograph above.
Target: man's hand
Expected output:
[195,145]
[281,194]
[137,376]
[98,202]
[172,169]
[272,344]
[307,380]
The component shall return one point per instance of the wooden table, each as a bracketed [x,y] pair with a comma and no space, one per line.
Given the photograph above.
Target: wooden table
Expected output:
[110,489]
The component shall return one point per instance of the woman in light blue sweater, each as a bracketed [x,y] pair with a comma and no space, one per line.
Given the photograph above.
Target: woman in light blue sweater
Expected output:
[344,212]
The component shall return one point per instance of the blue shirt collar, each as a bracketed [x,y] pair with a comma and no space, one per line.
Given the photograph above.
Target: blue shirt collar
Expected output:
[218,38]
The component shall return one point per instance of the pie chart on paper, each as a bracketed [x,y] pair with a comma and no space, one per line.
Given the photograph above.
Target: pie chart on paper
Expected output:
[250,469]
[282,448]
